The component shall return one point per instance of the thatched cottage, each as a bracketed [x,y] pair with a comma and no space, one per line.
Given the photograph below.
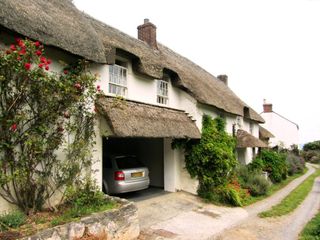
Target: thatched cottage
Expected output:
[166,94]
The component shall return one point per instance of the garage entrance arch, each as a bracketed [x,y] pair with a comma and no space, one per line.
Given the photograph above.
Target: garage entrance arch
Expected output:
[150,151]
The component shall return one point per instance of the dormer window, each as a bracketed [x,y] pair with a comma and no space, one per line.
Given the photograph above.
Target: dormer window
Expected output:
[117,80]
[162,92]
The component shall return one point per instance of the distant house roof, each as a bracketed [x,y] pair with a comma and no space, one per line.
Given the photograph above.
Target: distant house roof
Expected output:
[281,117]
[59,23]
[245,139]
[134,119]
[56,22]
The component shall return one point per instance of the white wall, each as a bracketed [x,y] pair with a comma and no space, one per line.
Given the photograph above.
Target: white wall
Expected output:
[187,183]
[176,176]
[171,166]
[246,155]
[144,89]
[286,133]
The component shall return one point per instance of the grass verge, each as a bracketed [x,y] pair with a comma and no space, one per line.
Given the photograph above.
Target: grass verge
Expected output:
[293,200]
[312,230]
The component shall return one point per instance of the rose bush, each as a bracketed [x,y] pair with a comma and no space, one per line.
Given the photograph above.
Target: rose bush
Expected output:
[41,112]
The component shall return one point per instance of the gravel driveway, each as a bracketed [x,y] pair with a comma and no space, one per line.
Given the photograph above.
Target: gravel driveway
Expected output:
[279,228]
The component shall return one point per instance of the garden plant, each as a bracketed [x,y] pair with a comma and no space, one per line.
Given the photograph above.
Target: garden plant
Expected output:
[42,112]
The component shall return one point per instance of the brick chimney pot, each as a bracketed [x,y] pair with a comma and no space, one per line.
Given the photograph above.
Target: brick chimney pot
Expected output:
[147,32]
[267,107]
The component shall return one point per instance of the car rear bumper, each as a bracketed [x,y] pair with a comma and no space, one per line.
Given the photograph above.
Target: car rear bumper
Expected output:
[123,186]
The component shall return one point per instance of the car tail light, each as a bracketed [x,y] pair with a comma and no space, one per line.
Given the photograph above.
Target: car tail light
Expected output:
[118,175]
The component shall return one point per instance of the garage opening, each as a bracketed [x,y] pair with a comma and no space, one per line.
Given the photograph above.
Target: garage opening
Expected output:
[149,151]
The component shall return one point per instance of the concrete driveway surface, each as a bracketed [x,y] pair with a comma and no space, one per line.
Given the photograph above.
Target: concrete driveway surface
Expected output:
[182,215]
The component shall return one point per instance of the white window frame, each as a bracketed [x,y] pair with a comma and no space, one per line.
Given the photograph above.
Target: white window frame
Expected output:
[162,92]
[118,80]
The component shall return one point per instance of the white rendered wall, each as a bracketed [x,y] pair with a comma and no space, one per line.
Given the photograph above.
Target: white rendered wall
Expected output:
[187,183]
[144,89]
[286,133]
[245,155]
[171,166]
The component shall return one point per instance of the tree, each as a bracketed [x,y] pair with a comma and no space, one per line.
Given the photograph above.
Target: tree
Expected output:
[315,145]
[41,112]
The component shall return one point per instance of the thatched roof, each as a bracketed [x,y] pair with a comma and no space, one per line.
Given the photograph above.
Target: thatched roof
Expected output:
[264,133]
[245,139]
[60,24]
[134,119]
[56,22]
[206,88]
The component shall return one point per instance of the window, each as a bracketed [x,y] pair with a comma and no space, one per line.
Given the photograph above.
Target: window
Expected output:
[117,80]
[125,162]
[162,92]
[239,122]
[251,127]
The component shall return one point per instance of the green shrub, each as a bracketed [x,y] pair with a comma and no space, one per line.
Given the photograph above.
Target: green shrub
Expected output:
[211,160]
[257,164]
[221,195]
[312,156]
[252,180]
[295,164]
[233,197]
[243,174]
[257,185]
[12,220]
[272,162]
[85,194]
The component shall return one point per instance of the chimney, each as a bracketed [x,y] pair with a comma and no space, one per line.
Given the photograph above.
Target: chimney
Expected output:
[147,32]
[223,78]
[267,107]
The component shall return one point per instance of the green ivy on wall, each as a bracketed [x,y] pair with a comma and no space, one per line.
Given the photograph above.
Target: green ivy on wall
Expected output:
[212,159]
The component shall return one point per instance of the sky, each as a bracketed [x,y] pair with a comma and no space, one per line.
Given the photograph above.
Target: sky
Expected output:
[270,49]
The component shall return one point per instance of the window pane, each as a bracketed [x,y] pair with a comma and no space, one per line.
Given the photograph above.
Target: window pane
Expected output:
[162,92]
[117,80]
[128,162]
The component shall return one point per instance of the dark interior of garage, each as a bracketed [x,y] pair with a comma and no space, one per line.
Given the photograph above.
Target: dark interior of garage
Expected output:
[148,150]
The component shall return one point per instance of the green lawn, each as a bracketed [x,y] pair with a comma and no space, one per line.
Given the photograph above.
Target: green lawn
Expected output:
[293,200]
[312,230]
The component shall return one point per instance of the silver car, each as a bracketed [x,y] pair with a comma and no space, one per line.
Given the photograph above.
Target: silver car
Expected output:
[123,174]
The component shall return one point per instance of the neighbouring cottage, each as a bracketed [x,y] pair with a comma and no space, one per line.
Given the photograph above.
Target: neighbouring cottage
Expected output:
[284,133]
[166,95]
[265,135]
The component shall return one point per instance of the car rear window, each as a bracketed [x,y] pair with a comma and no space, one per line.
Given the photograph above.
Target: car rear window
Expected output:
[128,162]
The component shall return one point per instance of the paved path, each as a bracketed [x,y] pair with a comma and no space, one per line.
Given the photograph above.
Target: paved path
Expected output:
[185,216]
[286,227]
